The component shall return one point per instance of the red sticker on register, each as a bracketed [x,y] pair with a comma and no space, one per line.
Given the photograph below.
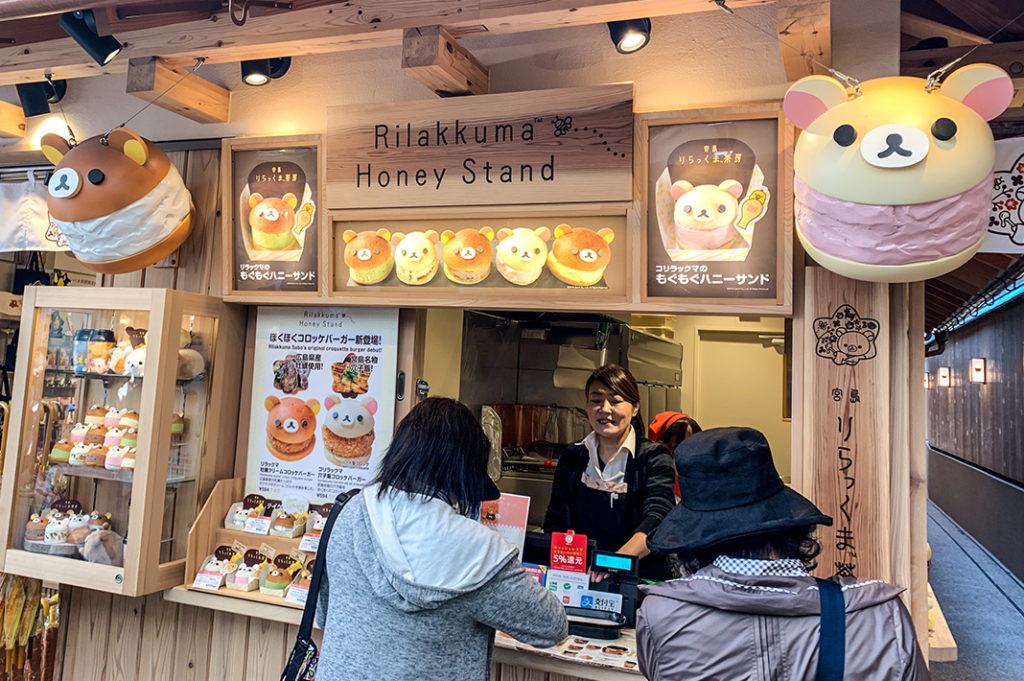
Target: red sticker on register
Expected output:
[569,551]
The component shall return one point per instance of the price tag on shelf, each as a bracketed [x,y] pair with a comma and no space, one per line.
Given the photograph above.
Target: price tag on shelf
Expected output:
[207,580]
[267,549]
[600,600]
[297,595]
[569,551]
[310,543]
[257,524]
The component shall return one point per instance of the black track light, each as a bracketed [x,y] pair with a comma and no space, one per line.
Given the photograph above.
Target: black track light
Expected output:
[631,35]
[81,25]
[262,71]
[36,98]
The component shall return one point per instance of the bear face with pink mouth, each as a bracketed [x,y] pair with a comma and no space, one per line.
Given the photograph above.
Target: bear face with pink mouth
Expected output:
[894,183]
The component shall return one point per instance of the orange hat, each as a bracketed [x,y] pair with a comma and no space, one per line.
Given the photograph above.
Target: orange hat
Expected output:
[661,423]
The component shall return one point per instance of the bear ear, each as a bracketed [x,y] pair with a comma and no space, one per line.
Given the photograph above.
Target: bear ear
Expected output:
[431,236]
[606,234]
[810,97]
[371,405]
[396,238]
[983,87]
[679,188]
[384,234]
[330,402]
[54,147]
[732,187]
[255,199]
[543,233]
[129,144]
[290,199]
[348,235]
[314,406]
[487,232]
[562,230]
[504,233]
[271,402]
[447,235]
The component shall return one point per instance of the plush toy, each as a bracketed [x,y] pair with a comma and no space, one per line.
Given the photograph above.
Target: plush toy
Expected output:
[104,547]
[57,528]
[522,253]
[415,256]
[190,364]
[348,430]
[135,361]
[117,199]
[272,220]
[368,255]
[579,256]
[291,427]
[894,184]
[705,215]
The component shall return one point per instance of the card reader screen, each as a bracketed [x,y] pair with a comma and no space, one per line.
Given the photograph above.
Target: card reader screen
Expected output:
[612,561]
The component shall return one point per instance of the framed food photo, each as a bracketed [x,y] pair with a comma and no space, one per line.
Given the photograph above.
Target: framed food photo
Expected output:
[717,208]
[273,209]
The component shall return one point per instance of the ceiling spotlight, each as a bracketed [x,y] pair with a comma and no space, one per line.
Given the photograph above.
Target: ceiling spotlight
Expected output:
[631,35]
[81,25]
[262,71]
[36,98]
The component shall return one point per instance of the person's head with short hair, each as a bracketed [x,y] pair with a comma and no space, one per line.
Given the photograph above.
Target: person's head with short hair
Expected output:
[672,427]
[733,503]
[613,401]
[439,450]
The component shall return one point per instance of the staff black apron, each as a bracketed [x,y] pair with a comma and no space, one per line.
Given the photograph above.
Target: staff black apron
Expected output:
[610,520]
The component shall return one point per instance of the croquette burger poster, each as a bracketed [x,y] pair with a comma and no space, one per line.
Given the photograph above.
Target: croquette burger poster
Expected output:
[323,399]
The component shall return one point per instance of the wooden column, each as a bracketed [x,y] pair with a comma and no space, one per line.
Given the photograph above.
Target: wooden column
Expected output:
[433,57]
[175,89]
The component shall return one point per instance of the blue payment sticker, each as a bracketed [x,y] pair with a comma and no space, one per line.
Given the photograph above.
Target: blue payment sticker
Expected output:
[587,602]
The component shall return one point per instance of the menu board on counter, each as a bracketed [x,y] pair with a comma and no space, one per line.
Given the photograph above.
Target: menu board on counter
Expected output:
[323,399]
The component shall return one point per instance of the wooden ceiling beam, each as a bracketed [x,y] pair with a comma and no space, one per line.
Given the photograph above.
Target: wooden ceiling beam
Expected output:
[1008,56]
[805,24]
[922,28]
[195,98]
[433,57]
[12,120]
[332,28]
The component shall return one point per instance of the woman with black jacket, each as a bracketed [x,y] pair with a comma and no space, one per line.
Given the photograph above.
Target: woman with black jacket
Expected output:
[615,486]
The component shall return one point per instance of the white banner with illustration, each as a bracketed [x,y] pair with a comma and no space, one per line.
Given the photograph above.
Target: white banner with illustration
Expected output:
[1006,221]
[323,399]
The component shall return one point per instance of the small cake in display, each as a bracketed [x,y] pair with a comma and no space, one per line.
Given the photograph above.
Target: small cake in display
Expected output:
[128,458]
[57,528]
[95,435]
[113,437]
[78,528]
[579,256]
[96,456]
[61,451]
[96,415]
[114,456]
[177,425]
[99,521]
[130,419]
[78,453]
[245,578]
[287,525]
[129,437]
[317,522]
[214,566]
[113,417]
[275,583]
[236,516]
[78,432]
[522,253]
[35,529]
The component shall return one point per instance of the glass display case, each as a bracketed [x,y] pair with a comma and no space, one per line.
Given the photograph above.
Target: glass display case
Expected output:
[123,416]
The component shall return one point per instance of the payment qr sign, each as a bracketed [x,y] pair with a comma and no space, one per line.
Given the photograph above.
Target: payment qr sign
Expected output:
[569,551]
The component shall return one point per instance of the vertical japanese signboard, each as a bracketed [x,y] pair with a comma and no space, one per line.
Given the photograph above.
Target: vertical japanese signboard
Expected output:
[323,399]
[846,412]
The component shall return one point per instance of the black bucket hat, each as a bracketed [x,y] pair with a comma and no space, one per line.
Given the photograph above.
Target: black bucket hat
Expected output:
[729,490]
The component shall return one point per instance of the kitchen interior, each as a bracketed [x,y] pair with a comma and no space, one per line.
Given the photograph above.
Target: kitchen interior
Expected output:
[524,373]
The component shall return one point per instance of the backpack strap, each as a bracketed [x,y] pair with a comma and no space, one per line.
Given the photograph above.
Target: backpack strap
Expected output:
[309,611]
[832,644]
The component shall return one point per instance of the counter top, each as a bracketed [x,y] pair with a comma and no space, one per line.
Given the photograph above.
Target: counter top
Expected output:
[576,656]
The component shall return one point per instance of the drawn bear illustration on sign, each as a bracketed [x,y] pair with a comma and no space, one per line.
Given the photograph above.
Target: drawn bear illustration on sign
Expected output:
[846,337]
[1007,216]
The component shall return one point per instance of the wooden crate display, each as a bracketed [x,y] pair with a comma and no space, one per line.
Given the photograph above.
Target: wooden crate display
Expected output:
[174,409]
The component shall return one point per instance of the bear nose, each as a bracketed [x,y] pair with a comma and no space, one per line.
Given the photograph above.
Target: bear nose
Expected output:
[588,255]
[895,145]
[291,426]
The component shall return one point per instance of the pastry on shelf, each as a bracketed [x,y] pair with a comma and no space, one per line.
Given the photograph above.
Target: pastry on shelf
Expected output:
[95,435]
[113,437]
[78,528]
[130,419]
[129,437]
[114,456]
[35,529]
[245,578]
[177,425]
[96,456]
[128,458]
[287,524]
[57,528]
[113,417]
[78,432]
[96,415]
[275,583]
[78,453]
[99,521]
[61,451]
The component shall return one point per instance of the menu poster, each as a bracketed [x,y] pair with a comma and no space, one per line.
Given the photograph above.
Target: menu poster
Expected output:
[274,234]
[508,516]
[323,399]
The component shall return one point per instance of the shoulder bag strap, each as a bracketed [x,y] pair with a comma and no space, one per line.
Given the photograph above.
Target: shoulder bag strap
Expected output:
[309,611]
[832,645]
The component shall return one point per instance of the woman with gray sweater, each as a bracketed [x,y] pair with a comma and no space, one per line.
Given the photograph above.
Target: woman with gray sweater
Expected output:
[415,586]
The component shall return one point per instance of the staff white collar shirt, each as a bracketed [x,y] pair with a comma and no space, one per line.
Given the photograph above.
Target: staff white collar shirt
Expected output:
[615,470]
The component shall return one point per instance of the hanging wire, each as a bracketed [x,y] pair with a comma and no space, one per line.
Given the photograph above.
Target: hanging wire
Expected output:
[188,72]
[71,133]
[937,75]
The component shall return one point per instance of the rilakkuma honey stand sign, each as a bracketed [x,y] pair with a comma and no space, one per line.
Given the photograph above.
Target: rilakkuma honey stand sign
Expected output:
[323,399]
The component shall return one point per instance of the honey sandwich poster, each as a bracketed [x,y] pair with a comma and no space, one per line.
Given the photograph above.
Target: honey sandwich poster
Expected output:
[323,400]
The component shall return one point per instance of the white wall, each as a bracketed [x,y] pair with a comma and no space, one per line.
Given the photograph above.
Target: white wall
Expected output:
[692,60]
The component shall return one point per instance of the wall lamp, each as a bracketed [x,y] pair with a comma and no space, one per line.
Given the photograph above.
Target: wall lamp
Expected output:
[978,370]
[262,71]
[36,98]
[631,35]
[943,377]
[81,25]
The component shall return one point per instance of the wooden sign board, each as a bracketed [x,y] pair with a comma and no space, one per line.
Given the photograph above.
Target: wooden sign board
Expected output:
[846,421]
[547,146]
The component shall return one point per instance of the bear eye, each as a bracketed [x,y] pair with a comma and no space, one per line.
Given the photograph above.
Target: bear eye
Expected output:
[943,129]
[575,251]
[721,208]
[335,416]
[403,252]
[95,176]
[277,423]
[425,251]
[359,418]
[479,249]
[514,249]
[687,209]
[376,251]
[536,251]
[600,254]
[844,135]
[305,424]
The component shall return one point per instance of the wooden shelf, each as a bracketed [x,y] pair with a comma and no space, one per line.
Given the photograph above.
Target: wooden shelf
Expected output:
[119,377]
[120,475]
[250,604]
[941,646]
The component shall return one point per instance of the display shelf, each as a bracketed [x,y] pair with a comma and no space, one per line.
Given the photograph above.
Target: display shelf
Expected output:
[276,611]
[106,376]
[941,646]
[120,475]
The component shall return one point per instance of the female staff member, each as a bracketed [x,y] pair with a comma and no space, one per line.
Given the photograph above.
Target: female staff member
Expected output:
[615,486]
